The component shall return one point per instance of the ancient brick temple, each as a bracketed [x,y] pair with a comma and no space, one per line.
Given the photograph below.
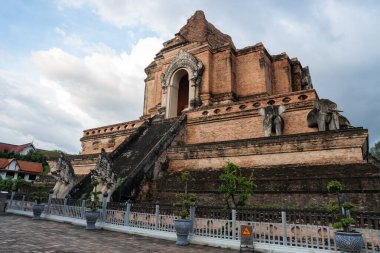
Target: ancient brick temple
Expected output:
[207,102]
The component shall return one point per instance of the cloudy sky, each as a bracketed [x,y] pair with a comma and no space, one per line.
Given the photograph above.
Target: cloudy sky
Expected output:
[69,65]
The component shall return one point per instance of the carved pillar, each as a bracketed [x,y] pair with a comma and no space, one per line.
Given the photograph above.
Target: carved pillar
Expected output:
[192,93]
[162,110]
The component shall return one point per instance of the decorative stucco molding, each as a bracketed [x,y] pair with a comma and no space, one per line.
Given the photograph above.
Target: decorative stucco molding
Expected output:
[194,67]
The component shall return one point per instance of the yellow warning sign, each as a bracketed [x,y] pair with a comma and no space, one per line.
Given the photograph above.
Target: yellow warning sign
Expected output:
[246,231]
[246,235]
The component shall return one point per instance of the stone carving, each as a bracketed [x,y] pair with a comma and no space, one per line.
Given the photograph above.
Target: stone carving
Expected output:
[306,79]
[325,116]
[183,60]
[64,174]
[272,119]
[103,175]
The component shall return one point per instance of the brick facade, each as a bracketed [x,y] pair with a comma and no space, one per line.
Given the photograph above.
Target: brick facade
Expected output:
[234,84]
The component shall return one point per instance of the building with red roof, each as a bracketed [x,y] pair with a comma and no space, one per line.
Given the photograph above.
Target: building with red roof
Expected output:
[20,169]
[23,149]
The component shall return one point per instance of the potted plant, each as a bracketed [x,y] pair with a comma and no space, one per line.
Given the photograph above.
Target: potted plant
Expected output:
[345,238]
[93,204]
[39,196]
[183,202]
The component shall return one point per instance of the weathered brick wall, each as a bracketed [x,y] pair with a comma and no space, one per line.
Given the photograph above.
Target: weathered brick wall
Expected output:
[282,74]
[282,186]
[341,146]
[83,164]
[242,121]
[107,137]
[228,74]
[251,76]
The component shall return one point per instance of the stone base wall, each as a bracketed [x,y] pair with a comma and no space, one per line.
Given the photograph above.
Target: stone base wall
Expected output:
[281,186]
[331,147]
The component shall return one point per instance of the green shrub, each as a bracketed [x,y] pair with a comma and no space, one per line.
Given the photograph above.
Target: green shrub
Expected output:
[40,195]
[184,201]
[342,210]
[93,202]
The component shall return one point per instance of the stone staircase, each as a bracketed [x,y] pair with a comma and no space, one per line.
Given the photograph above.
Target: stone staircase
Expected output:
[136,160]
[82,187]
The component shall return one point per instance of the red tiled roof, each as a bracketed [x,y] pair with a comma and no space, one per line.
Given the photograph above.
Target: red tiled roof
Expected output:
[15,148]
[30,167]
[4,162]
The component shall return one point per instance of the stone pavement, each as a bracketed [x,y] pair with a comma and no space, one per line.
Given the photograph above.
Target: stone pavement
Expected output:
[22,234]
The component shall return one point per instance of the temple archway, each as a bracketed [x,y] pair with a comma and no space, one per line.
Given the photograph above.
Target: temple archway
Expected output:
[181,85]
[178,94]
[183,94]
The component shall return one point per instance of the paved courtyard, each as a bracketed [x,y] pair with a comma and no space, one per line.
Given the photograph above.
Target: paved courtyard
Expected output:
[22,234]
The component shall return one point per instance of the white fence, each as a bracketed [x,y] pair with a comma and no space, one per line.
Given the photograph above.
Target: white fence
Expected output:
[290,235]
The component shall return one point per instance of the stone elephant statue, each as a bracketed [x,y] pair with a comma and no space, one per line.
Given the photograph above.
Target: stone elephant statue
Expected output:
[325,116]
[272,119]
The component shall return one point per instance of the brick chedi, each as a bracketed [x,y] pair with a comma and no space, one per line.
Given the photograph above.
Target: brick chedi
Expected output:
[224,89]
[246,106]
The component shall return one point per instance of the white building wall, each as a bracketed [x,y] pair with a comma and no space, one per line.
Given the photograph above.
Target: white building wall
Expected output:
[12,166]
[26,150]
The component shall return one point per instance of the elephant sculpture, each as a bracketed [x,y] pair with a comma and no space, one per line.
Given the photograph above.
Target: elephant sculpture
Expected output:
[325,116]
[272,119]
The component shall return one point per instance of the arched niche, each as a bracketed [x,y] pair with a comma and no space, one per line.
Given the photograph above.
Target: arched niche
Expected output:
[174,84]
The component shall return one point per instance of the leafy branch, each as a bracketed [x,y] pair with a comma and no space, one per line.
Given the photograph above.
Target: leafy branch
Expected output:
[341,209]
[236,187]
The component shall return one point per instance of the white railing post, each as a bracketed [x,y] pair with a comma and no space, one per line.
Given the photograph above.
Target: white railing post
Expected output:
[65,207]
[233,224]
[127,212]
[83,209]
[283,221]
[11,200]
[23,202]
[156,215]
[192,218]
[104,207]
[48,211]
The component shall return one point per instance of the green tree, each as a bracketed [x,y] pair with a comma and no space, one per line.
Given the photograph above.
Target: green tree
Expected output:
[375,150]
[19,183]
[184,201]
[6,184]
[236,187]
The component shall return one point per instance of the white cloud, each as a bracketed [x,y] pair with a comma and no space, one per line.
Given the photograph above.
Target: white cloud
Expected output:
[162,17]
[102,82]
[70,39]
[30,111]
[73,93]
[94,84]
